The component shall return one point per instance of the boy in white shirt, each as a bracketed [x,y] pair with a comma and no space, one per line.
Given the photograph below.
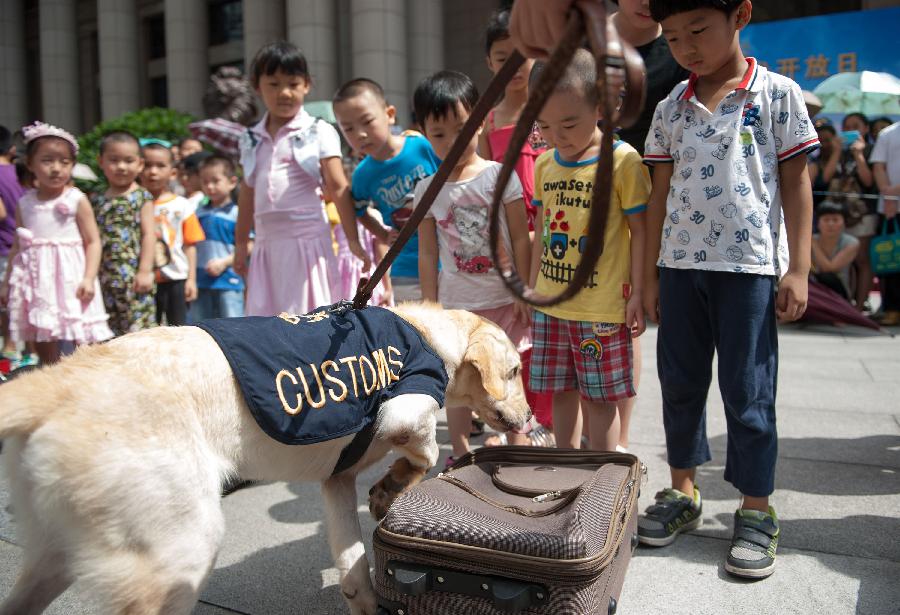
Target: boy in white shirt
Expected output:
[177,233]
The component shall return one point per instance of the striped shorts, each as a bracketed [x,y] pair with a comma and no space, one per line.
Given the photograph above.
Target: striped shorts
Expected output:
[592,357]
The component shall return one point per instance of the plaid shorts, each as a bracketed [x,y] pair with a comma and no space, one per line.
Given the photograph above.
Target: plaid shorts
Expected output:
[592,357]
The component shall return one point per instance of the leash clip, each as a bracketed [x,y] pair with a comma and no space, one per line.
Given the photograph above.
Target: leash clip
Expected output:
[341,307]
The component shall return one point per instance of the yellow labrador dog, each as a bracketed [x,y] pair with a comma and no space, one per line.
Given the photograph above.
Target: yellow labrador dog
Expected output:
[117,457]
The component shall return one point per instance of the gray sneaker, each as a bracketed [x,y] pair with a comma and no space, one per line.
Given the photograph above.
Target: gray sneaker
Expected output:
[674,512]
[753,545]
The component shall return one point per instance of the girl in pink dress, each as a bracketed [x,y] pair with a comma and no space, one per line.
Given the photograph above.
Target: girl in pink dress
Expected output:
[51,288]
[285,158]
[494,142]
[501,121]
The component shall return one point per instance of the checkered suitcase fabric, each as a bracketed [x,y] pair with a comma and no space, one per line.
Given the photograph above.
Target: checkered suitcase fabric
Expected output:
[457,531]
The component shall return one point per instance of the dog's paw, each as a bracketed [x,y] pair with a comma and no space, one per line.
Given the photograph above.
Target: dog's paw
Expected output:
[360,596]
[399,478]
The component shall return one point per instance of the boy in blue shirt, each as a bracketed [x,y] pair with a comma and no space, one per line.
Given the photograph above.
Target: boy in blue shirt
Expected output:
[220,291]
[729,224]
[388,174]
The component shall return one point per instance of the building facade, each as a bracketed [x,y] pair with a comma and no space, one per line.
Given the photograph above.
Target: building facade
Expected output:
[77,62]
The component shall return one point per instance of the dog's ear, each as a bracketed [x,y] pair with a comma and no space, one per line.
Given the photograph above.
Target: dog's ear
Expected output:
[480,355]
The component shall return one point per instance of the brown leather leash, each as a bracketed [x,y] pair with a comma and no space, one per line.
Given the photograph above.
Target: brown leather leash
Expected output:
[590,18]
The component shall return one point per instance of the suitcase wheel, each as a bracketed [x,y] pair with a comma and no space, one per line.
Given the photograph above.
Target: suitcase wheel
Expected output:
[613,605]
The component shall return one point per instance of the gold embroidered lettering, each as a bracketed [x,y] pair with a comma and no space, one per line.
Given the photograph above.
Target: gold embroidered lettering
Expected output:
[291,318]
[398,364]
[350,361]
[287,407]
[384,372]
[333,380]
[315,371]
[368,389]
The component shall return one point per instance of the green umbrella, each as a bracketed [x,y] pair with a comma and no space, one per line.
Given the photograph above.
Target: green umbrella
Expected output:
[865,91]
[321,109]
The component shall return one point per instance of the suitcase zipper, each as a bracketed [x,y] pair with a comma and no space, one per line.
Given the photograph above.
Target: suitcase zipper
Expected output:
[480,559]
[547,497]
[518,510]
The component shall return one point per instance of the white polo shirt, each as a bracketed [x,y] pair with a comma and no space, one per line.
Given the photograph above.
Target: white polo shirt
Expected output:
[724,206]
[887,151]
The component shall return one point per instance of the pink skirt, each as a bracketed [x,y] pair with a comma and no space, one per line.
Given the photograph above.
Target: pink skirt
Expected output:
[520,334]
[292,273]
[43,306]
[351,268]
[505,318]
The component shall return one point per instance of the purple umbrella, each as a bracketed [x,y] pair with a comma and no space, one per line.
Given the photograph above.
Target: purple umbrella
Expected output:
[223,135]
[826,306]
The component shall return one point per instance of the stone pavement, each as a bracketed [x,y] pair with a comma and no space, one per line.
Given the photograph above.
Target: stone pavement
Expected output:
[838,497]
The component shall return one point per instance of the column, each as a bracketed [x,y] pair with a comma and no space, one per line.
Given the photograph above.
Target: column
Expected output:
[59,63]
[425,39]
[379,49]
[117,34]
[13,75]
[187,64]
[312,26]
[263,23]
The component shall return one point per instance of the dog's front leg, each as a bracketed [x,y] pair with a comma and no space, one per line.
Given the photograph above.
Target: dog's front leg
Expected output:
[409,422]
[347,549]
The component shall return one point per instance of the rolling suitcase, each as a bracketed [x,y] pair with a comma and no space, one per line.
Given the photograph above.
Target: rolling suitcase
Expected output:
[511,529]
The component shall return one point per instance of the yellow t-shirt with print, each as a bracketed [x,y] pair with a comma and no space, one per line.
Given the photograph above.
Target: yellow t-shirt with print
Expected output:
[563,190]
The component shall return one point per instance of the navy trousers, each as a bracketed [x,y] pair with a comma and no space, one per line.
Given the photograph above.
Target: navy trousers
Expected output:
[732,314]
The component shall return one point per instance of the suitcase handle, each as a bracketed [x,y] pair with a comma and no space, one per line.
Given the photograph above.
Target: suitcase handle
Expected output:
[506,595]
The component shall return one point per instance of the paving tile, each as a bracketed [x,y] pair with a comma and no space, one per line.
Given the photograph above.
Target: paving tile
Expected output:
[688,578]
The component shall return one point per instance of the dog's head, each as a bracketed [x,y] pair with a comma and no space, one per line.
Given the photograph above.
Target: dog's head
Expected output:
[489,380]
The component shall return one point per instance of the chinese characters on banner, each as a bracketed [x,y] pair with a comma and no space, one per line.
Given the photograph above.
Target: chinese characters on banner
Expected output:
[817,66]
[811,49]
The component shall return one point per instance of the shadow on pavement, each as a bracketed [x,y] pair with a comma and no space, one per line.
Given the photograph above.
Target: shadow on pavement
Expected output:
[283,579]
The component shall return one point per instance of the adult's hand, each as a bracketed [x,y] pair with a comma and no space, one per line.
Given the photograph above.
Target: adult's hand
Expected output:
[536,26]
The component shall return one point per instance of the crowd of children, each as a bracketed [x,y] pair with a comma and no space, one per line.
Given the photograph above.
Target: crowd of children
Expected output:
[715,246]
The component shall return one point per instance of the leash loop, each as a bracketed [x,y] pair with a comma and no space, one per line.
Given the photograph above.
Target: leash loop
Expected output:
[623,66]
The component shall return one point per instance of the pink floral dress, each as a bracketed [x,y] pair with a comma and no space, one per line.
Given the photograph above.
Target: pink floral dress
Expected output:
[46,272]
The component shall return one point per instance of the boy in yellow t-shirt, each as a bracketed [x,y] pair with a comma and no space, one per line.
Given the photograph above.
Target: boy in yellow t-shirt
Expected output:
[582,347]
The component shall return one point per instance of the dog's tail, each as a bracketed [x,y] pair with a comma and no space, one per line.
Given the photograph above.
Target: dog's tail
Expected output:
[19,414]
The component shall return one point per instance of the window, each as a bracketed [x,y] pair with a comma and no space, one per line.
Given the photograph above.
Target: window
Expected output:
[155,29]
[226,21]
[159,92]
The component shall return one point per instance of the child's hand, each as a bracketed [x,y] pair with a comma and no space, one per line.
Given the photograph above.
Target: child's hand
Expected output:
[650,299]
[522,312]
[143,282]
[240,264]
[360,253]
[793,293]
[387,298]
[85,290]
[190,290]
[216,267]
[634,315]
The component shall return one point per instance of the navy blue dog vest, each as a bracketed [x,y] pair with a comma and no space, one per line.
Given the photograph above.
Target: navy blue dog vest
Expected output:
[324,375]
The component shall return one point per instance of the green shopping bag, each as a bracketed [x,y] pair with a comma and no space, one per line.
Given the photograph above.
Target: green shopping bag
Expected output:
[884,250]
